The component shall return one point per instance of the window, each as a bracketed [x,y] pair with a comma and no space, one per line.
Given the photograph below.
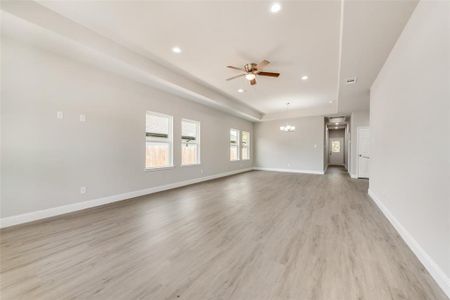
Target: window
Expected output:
[158,140]
[335,146]
[190,142]
[245,145]
[234,144]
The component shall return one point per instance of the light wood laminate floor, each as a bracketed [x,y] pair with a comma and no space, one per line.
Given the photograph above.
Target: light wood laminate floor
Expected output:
[258,235]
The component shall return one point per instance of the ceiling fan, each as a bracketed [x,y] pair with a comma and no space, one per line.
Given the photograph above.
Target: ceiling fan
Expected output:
[251,70]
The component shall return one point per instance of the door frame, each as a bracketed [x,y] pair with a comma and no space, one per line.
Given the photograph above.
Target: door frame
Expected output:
[357,147]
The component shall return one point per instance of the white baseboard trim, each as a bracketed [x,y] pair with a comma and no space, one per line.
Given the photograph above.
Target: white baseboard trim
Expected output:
[436,272]
[55,211]
[289,170]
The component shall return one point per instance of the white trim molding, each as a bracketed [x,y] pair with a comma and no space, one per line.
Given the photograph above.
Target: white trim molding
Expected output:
[320,172]
[435,271]
[60,210]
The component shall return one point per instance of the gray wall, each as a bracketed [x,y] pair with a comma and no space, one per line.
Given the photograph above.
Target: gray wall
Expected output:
[358,119]
[410,130]
[301,150]
[338,133]
[45,161]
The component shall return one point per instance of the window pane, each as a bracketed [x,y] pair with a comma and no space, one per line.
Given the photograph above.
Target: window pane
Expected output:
[189,154]
[159,141]
[189,128]
[190,142]
[157,155]
[233,136]
[245,138]
[335,146]
[245,152]
[234,152]
[234,144]
[157,124]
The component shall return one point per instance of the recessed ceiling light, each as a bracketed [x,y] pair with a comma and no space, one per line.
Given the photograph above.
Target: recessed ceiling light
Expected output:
[241,90]
[176,49]
[336,123]
[305,77]
[276,7]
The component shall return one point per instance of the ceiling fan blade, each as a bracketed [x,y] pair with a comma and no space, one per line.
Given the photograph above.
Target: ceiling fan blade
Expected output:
[253,81]
[235,68]
[262,64]
[237,76]
[270,74]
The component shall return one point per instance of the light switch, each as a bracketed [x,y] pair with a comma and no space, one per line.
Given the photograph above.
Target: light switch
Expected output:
[83,190]
[82,118]
[59,115]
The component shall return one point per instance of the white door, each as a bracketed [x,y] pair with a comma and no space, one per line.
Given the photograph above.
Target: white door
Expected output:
[336,151]
[363,140]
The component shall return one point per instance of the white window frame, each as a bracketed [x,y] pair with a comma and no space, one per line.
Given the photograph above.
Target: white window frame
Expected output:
[238,138]
[198,142]
[248,145]
[169,140]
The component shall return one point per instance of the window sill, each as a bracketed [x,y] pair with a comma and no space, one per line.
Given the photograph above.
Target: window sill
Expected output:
[191,165]
[158,169]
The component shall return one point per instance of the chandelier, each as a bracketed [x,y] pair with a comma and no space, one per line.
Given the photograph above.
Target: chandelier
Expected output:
[287,127]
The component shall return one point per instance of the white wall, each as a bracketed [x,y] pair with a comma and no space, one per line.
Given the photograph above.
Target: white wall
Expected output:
[347,146]
[45,161]
[301,150]
[410,132]
[357,119]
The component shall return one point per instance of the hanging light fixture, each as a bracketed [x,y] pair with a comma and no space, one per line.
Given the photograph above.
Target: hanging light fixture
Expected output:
[287,127]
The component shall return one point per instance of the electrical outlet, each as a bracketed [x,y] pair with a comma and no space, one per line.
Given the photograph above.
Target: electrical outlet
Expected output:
[83,190]
[59,115]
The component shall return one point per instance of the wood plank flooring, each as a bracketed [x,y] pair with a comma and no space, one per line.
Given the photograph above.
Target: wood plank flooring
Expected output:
[258,235]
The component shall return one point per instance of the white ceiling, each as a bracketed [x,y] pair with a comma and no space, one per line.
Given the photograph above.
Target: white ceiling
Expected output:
[370,29]
[304,38]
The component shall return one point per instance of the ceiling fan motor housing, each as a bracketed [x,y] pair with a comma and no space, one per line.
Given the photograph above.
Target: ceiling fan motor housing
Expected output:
[250,68]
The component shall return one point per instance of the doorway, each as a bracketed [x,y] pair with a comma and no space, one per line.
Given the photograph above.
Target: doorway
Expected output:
[336,140]
[336,149]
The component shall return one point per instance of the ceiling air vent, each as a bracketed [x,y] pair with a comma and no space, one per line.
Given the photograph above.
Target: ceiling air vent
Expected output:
[350,81]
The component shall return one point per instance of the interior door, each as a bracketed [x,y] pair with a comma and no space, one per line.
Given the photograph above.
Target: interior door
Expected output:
[336,151]
[363,140]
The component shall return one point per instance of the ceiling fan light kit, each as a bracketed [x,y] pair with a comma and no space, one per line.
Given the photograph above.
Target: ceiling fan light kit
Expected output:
[252,70]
